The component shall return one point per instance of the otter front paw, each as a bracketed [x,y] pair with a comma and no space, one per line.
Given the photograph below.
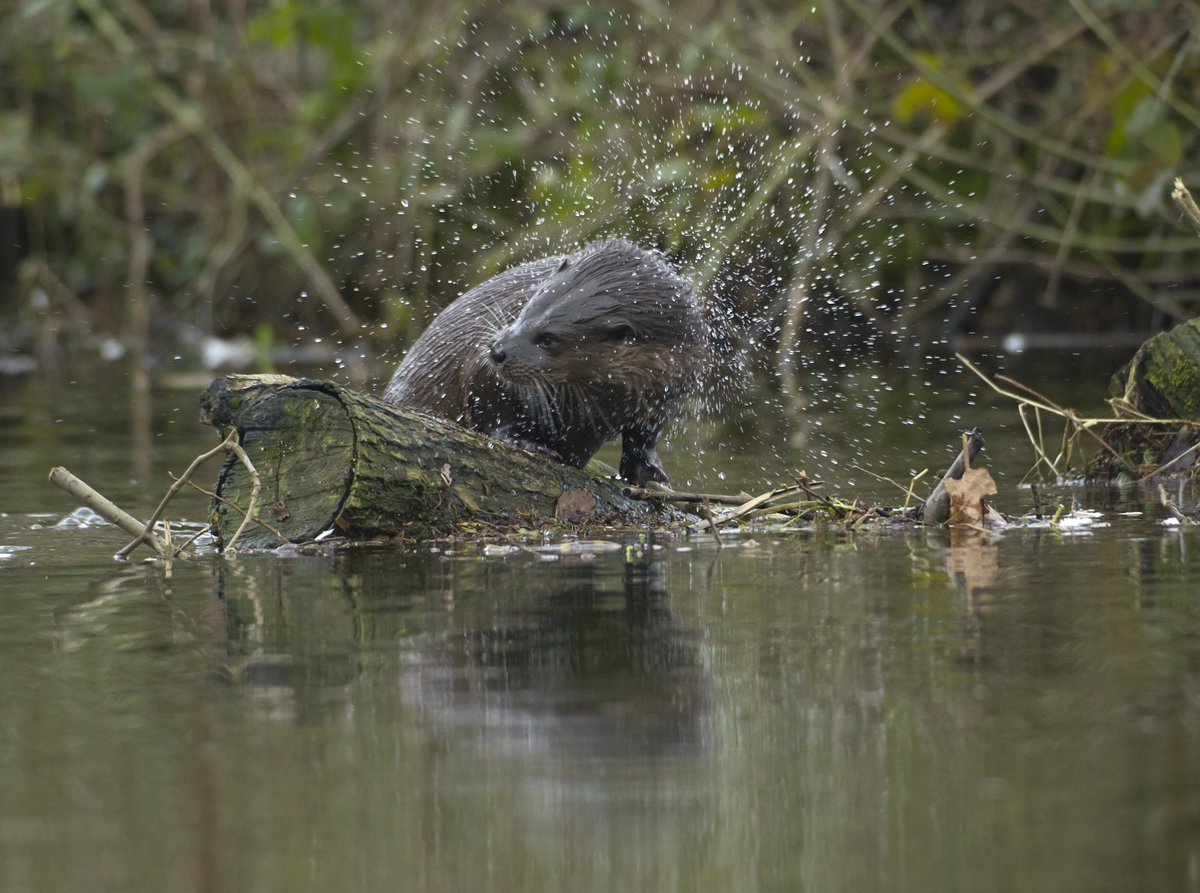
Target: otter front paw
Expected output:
[642,470]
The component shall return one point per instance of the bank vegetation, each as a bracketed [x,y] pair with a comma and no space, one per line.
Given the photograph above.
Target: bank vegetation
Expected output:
[896,173]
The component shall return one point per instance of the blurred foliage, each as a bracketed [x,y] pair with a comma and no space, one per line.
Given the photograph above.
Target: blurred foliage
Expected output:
[888,173]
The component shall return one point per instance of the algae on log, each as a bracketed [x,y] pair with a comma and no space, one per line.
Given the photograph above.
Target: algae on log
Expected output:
[328,458]
[1163,378]
[1161,381]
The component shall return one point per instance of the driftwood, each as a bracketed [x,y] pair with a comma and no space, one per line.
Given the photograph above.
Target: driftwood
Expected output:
[336,462]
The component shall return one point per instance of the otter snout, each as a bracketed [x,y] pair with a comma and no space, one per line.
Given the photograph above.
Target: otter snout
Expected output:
[511,358]
[497,353]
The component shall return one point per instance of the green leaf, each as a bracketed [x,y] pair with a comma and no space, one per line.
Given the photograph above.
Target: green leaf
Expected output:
[923,100]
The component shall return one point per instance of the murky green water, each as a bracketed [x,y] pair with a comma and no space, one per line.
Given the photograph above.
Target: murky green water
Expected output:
[879,711]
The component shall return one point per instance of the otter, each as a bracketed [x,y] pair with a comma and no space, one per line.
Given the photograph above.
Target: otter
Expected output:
[562,354]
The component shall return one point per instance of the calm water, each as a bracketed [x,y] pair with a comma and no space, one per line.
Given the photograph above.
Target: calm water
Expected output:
[877,711]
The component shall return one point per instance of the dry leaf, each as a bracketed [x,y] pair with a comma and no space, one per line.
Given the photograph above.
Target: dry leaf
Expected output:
[966,496]
[575,507]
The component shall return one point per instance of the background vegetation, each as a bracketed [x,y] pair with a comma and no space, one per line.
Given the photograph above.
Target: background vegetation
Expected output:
[881,174]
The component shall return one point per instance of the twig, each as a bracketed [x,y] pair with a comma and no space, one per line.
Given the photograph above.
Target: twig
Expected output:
[191,539]
[226,444]
[908,495]
[1166,465]
[1074,422]
[144,532]
[104,507]
[237,508]
[1169,505]
[712,524]
[799,510]
[1008,379]
[868,512]
[907,491]
[253,503]
[141,245]
[1081,198]
[666,494]
[1187,204]
[1134,63]
[1036,441]
[750,505]
[807,487]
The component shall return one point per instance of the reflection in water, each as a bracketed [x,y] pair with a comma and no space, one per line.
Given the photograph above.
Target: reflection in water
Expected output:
[587,668]
[580,660]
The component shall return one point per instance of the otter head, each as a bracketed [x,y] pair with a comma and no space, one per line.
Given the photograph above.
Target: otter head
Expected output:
[611,314]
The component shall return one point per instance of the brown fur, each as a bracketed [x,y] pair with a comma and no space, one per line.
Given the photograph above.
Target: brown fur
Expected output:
[563,354]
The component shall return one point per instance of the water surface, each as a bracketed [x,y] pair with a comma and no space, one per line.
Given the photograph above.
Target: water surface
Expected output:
[820,711]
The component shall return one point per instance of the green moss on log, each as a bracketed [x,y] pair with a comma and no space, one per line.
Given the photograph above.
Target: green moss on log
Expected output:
[1163,378]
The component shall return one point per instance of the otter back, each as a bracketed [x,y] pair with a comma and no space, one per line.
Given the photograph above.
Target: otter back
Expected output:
[563,354]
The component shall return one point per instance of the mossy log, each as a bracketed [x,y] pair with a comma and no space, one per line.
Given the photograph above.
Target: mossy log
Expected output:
[1161,381]
[331,458]
[1163,378]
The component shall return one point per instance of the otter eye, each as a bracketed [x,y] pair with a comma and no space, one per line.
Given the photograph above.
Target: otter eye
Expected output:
[545,340]
[620,333]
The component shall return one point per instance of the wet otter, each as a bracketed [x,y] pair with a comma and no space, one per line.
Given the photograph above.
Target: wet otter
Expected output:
[563,354]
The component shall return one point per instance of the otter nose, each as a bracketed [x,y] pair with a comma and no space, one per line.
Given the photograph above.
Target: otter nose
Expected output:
[497,353]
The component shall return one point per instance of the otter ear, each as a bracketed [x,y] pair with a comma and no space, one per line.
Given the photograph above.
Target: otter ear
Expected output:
[563,264]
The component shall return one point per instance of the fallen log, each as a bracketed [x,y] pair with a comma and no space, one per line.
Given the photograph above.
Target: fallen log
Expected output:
[330,459]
